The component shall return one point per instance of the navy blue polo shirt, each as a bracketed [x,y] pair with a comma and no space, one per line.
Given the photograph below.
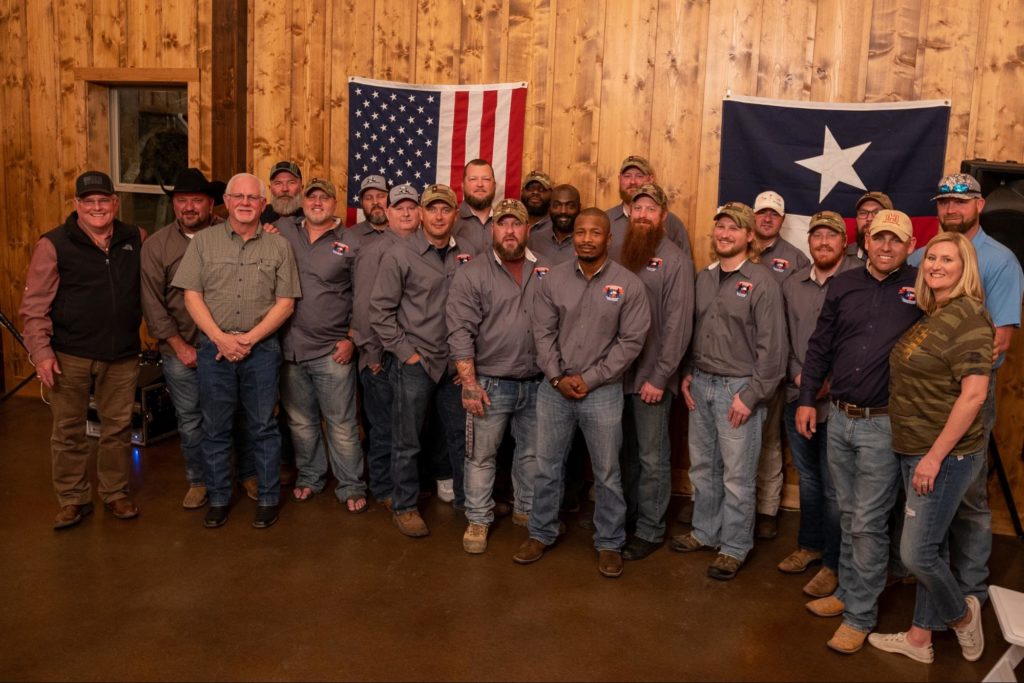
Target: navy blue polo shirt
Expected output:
[860,322]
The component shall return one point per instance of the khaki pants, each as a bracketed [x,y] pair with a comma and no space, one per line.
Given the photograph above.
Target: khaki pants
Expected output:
[69,402]
[769,467]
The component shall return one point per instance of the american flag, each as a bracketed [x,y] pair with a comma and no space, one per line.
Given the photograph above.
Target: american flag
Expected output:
[423,134]
[825,155]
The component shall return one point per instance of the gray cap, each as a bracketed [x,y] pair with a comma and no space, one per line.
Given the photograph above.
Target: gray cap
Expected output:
[373,182]
[402,192]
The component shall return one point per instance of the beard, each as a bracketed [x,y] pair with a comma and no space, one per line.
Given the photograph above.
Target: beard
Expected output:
[640,245]
[377,218]
[626,195]
[480,203]
[538,210]
[514,254]
[826,260]
[957,226]
[286,206]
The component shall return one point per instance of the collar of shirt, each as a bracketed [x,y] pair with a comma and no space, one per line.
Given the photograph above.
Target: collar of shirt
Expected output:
[466,211]
[894,274]
[771,246]
[528,254]
[426,245]
[579,271]
[336,230]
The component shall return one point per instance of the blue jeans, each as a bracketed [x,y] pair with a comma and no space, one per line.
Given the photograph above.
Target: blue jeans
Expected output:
[183,384]
[510,400]
[599,416]
[377,400]
[647,464]
[723,465]
[412,390]
[251,384]
[317,388]
[864,471]
[925,543]
[819,511]
[970,535]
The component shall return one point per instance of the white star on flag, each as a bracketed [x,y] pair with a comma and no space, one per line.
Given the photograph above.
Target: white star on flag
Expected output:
[835,165]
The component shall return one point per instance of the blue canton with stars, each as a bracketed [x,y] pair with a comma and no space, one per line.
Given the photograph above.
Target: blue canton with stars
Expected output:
[393,132]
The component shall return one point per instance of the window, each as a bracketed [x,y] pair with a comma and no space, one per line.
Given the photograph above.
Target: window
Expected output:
[148,147]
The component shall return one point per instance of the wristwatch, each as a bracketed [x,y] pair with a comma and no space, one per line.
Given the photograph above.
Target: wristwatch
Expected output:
[555,382]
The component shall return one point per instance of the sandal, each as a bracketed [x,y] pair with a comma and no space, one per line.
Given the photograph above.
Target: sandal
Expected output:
[351,504]
[302,494]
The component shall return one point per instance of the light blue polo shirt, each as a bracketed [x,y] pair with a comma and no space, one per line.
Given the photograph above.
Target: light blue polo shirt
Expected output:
[1001,278]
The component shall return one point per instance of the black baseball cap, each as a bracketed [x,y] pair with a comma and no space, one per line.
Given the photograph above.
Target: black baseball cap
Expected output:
[93,182]
[289,166]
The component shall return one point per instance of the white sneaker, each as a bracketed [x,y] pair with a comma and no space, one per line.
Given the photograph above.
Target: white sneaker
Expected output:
[898,643]
[445,490]
[972,640]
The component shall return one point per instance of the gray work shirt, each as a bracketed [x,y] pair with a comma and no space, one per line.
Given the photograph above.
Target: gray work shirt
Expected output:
[472,235]
[409,298]
[373,246]
[545,243]
[804,297]
[594,327]
[490,317]
[668,277]
[322,317]
[240,280]
[619,220]
[855,251]
[542,224]
[361,232]
[783,259]
[163,305]
[740,329]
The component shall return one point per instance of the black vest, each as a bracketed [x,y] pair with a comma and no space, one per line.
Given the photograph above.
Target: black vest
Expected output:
[97,310]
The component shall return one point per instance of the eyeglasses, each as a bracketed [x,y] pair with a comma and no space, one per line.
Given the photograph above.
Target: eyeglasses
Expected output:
[103,202]
[959,187]
[239,197]
[867,213]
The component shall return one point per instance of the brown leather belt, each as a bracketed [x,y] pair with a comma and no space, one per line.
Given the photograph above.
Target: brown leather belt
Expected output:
[857,412]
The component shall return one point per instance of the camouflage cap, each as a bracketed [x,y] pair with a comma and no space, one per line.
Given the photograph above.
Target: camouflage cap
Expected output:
[510,207]
[439,193]
[827,219]
[637,162]
[321,184]
[739,212]
[539,177]
[875,196]
[653,191]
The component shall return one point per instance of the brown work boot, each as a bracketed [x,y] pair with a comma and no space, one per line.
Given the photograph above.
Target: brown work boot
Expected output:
[686,543]
[609,563]
[195,498]
[474,541]
[70,515]
[798,561]
[252,488]
[823,584]
[830,606]
[530,551]
[411,524]
[724,567]
[766,526]
[123,508]
[847,639]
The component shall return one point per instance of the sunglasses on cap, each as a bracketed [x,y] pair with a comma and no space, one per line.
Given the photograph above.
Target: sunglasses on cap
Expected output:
[958,188]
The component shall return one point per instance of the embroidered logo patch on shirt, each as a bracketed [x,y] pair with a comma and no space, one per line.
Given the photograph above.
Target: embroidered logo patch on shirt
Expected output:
[541,271]
[654,264]
[612,293]
[339,248]
[780,265]
[743,288]
[908,295]
[463,259]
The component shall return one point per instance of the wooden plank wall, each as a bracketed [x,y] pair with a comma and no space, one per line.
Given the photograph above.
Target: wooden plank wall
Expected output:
[607,78]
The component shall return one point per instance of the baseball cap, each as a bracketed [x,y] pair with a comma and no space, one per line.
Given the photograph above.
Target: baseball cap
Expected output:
[827,219]
[510,207]
[896,222]
[539,177]
[959,186]
[399,193]
[439,193]
[770,200]
[653,191]
[321,184]
[93,182]
[880,197]
[739,212]
[373,182]
[289,166]
[637,162]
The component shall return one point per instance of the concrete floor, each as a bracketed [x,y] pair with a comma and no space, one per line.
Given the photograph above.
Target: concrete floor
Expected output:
[327,595]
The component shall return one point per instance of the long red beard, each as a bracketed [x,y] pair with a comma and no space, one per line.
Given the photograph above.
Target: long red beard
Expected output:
[639,247]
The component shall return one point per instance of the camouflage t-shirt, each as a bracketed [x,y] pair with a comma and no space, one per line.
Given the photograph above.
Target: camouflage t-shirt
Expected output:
[926,367]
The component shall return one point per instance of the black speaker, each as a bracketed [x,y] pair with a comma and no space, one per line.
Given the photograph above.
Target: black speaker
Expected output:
[1002,184]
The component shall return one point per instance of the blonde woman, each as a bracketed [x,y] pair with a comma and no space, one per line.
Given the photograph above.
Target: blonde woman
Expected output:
[939,377]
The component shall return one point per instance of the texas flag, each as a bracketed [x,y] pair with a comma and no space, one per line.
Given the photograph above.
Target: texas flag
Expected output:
[825,155]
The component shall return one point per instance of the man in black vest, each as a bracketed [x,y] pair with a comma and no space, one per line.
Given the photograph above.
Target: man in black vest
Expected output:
[81,314]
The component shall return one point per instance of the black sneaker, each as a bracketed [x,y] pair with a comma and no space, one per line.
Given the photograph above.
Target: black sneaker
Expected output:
[637,548]
[266,515]
[216,516]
